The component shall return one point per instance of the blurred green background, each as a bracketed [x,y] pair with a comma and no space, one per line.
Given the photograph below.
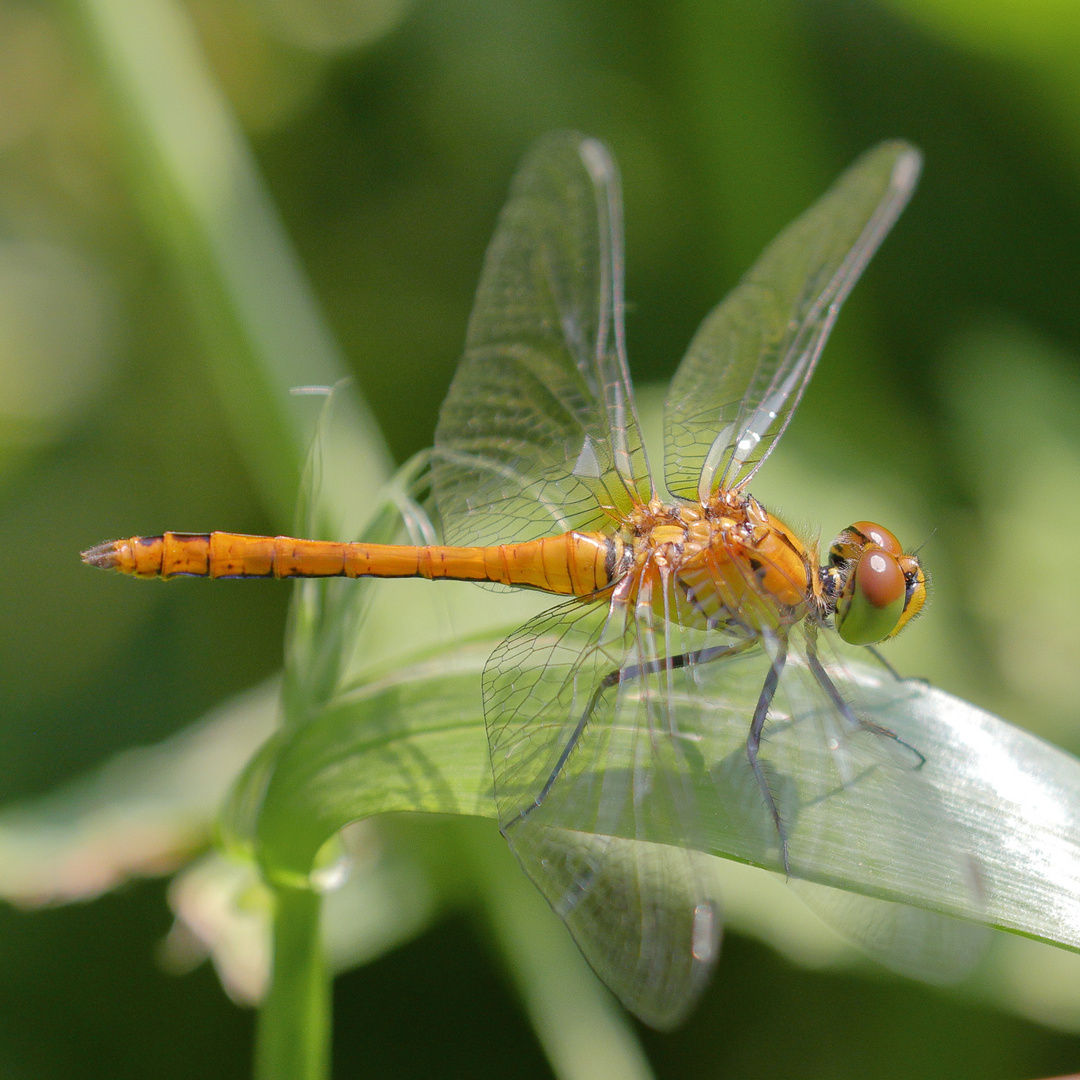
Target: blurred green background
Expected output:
[386,131]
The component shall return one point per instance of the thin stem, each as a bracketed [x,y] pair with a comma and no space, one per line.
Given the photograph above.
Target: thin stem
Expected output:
[293,1037]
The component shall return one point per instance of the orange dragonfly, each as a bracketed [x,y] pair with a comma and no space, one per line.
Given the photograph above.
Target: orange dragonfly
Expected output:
[694,618]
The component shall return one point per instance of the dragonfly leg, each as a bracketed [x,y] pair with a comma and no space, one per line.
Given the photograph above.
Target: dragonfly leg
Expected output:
[753,745]
[892,671]
[614,678]
[885,663]
[849,714]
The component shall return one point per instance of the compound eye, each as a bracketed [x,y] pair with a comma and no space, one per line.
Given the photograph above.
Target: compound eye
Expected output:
[871,606]
[856,538]
[879,536]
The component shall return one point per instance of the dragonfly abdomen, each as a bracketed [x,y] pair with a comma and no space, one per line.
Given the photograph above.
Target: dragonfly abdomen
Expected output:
[573,564]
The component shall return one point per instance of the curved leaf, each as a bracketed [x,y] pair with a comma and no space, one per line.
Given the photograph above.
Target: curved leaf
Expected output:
[412,741]
[1009,802]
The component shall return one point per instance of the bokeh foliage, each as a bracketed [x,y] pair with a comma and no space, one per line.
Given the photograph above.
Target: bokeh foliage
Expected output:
[386,131]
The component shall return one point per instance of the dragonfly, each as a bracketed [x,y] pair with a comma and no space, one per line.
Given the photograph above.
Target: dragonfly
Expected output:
[695,626]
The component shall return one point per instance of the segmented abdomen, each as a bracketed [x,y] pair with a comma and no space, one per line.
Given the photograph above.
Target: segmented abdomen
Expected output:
[573,564]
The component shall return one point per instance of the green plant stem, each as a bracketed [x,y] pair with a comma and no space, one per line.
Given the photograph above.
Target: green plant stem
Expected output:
[293,1037]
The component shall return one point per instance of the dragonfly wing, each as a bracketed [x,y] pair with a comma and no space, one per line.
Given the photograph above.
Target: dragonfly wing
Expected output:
[538,433]
[913,941]
[859,792]
[747,367]
[866,810]
[590,730]
[597,795]
[645,916]
[618,740]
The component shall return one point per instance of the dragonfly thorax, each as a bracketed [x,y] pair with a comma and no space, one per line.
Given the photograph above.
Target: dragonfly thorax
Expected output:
[730,563]
[726,562]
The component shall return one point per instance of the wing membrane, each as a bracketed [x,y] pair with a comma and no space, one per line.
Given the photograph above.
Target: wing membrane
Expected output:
[538,433]
[747,367]
[612,789]
[645,916]
[922,944]
[640,758]
[596,798]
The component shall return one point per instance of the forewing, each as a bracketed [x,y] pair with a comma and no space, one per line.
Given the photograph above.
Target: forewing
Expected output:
[538,433]
[858,797]
[750,361]
[879,822]
[865,803]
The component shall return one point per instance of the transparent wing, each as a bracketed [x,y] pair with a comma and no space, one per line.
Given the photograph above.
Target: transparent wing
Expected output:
[913,941]
[866,811]
[748,365]
[645,914]
[626,723]
[538,433]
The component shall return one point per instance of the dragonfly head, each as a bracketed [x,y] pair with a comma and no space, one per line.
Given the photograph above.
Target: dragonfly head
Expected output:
[876,589]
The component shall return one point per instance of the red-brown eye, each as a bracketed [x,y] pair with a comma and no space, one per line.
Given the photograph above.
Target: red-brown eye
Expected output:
[851,543]
[872,605]
[879,536]
[879,578]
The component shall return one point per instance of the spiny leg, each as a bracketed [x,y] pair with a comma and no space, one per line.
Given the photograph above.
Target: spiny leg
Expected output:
[881,659]
[885,663]
[753,743]
[614,678]
[846,710]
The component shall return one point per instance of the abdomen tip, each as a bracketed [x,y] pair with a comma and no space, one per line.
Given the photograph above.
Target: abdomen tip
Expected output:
[104,556]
